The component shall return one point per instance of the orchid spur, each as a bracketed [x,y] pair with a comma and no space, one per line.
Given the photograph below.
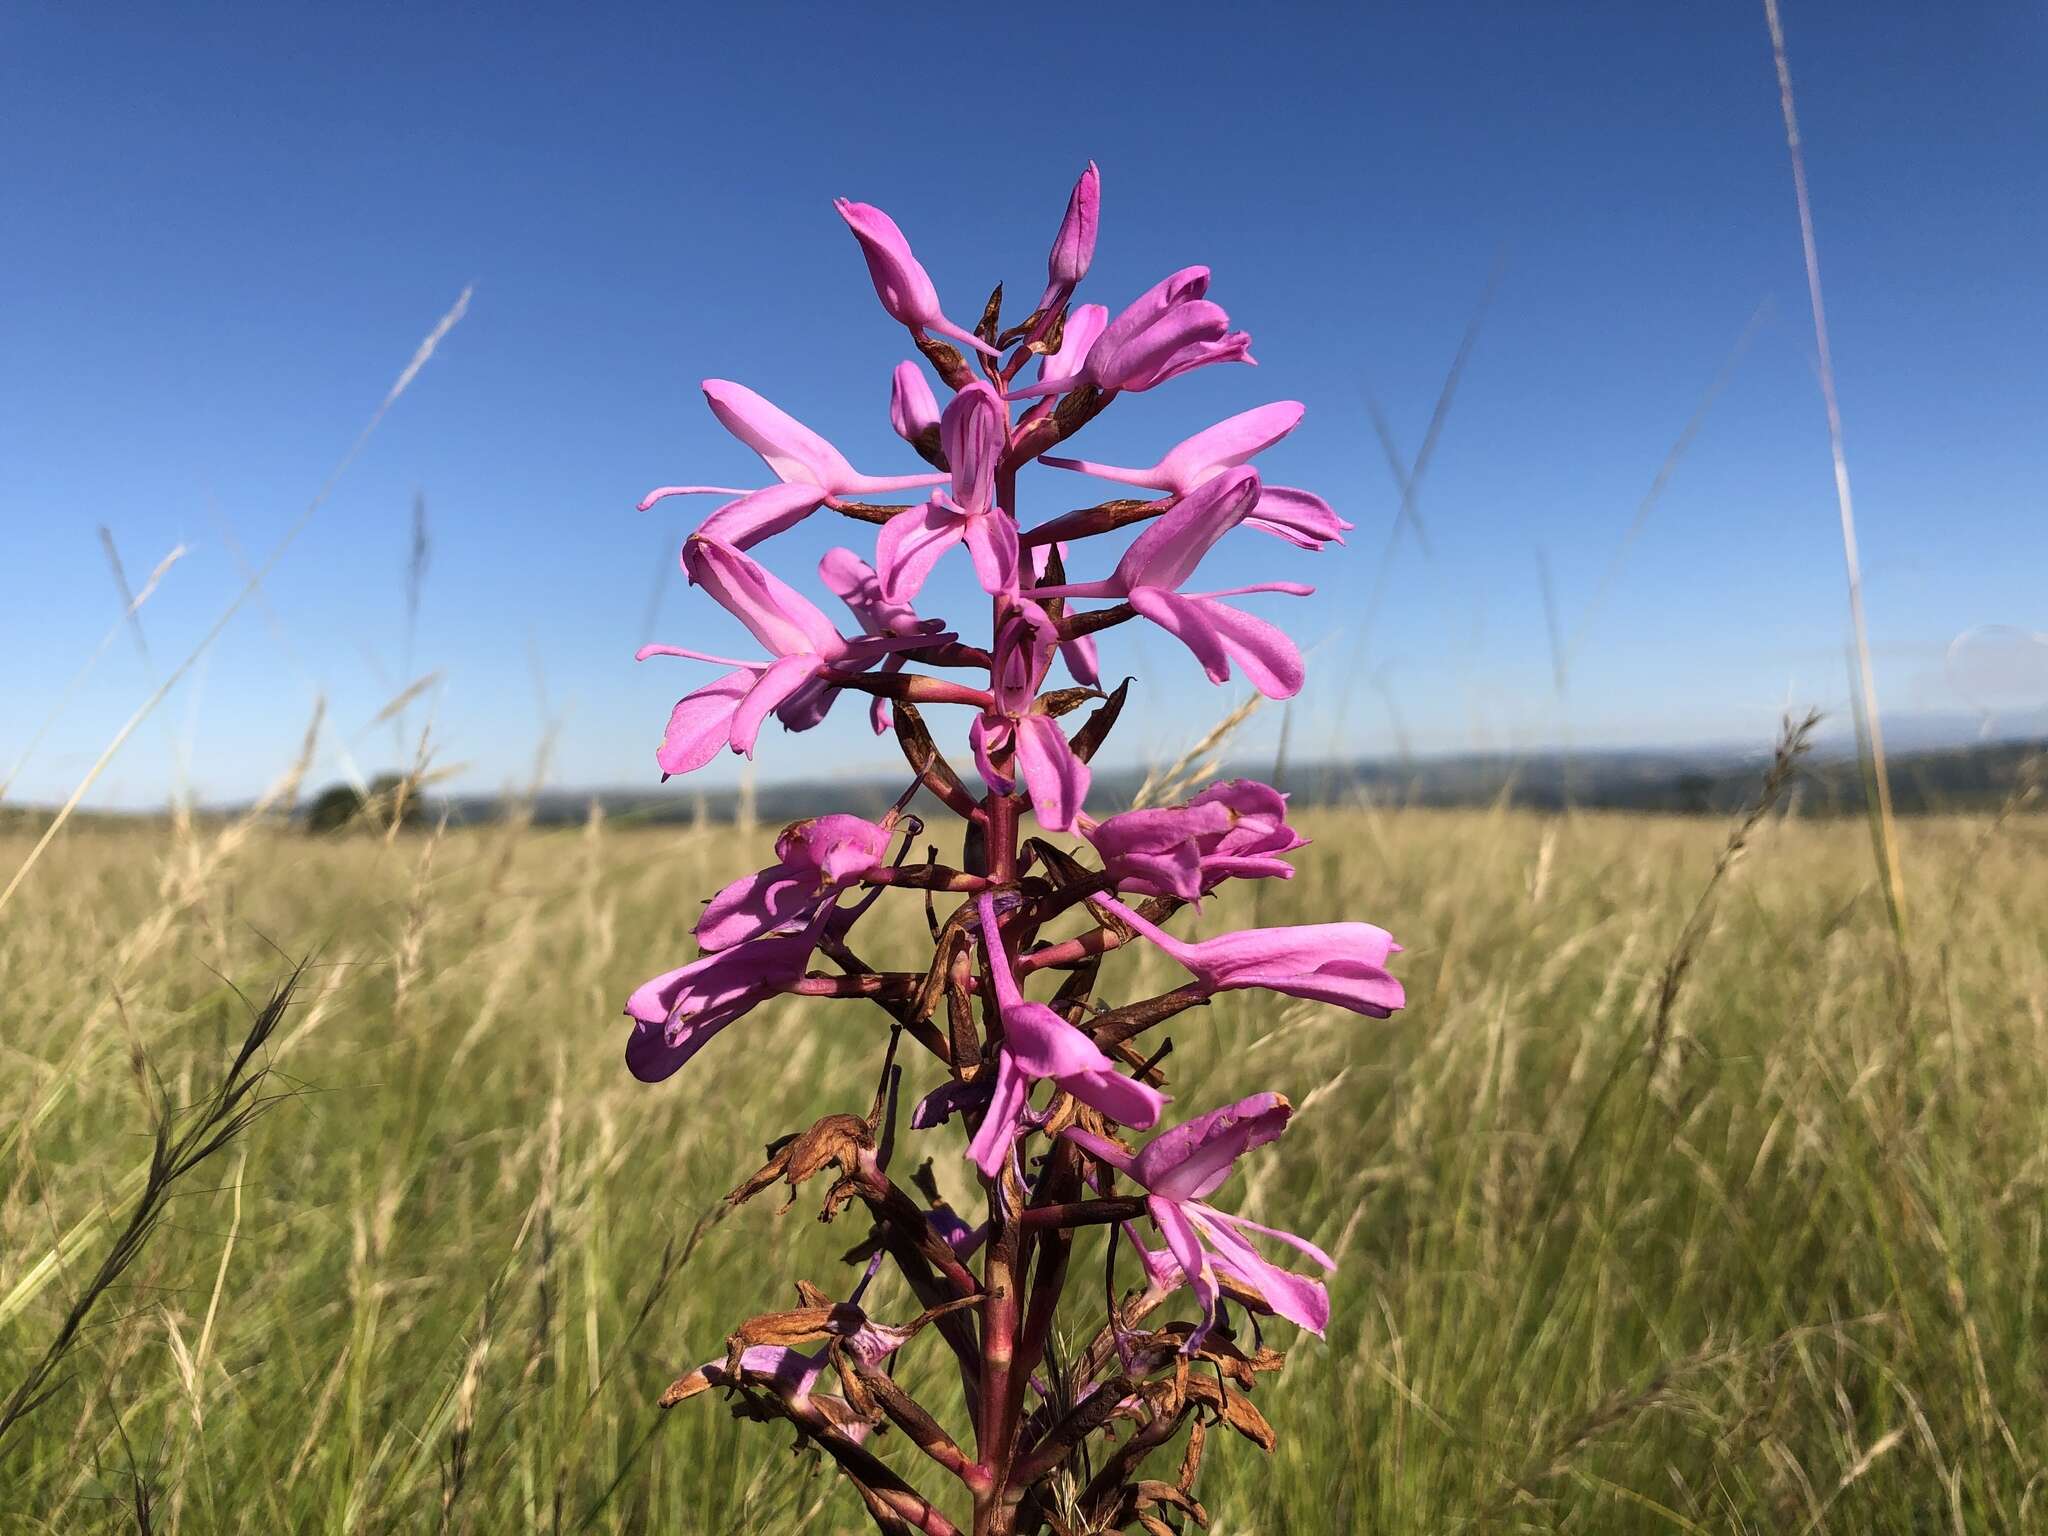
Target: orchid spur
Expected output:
[1011,909]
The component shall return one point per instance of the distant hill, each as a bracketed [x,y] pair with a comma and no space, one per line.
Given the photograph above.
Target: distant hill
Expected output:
[1684,783]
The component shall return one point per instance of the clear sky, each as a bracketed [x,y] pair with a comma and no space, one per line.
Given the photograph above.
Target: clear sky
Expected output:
[227,227]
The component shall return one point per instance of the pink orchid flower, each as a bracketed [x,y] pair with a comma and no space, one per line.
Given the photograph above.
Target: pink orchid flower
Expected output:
[809,471]
[1038,1043]
[1018,732]
[731,711]
[854,582]
[1167,330]
[675,1013]
[1178,1170]
[973,431]
[814,861]
[1166,554]
[913,409]
[1233,830]
[1073,248]
[1340,963]
[1300,517]
[904,287]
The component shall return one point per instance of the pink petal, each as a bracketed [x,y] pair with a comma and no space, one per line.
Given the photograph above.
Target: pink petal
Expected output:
[1168,551]
[1187,620]
[910,544]
[1186,1248]
[757,515]
[1123,1099]
[775,685]
[992,542]
[752,906]
[783,620]
[1270,660]
[1062,369]
[1302,518]
[1301,1301]
[785,444]
[701,723]
[1056,779]
[991,1144]
[1043,1044]
[1194,1158]
[1229,443]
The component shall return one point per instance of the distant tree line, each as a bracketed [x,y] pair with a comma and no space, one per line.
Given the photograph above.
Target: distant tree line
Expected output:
[392,800]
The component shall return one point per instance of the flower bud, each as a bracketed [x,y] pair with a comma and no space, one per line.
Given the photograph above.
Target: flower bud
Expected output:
[1074,247]
[903,286]
[913,410]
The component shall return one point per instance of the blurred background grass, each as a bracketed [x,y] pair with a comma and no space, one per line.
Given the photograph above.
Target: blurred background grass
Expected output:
[1777,1272]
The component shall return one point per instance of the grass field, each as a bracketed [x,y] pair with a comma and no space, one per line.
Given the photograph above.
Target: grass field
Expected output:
[1758,1250]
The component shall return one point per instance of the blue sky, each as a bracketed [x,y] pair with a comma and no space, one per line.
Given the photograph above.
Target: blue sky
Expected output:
[228,228]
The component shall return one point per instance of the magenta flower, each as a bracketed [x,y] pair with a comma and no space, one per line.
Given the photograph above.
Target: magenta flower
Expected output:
[730,711]
[913,410]
[1166,554]
[1340,963]
[1178,1169]
[1038,1043]
[853,581]
[814,861]
[1167,330]
[1233,830]
[1074,247]
[676,1012]
[904,287]
[809,471]
[1018,732]
[973,431]
[1300,517]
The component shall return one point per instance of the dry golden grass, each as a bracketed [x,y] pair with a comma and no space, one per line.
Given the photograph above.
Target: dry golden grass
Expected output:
[1773,1266]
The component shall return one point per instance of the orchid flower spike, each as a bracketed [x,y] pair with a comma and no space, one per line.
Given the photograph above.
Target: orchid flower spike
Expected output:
[904,287]
[1178,1170]
[1340,963]
[1073,248]
[973,432]
[1167,330]
[1038,1043]
[1166,554]
[809,471]
[1300,517]
[731,710]
[1018,733]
